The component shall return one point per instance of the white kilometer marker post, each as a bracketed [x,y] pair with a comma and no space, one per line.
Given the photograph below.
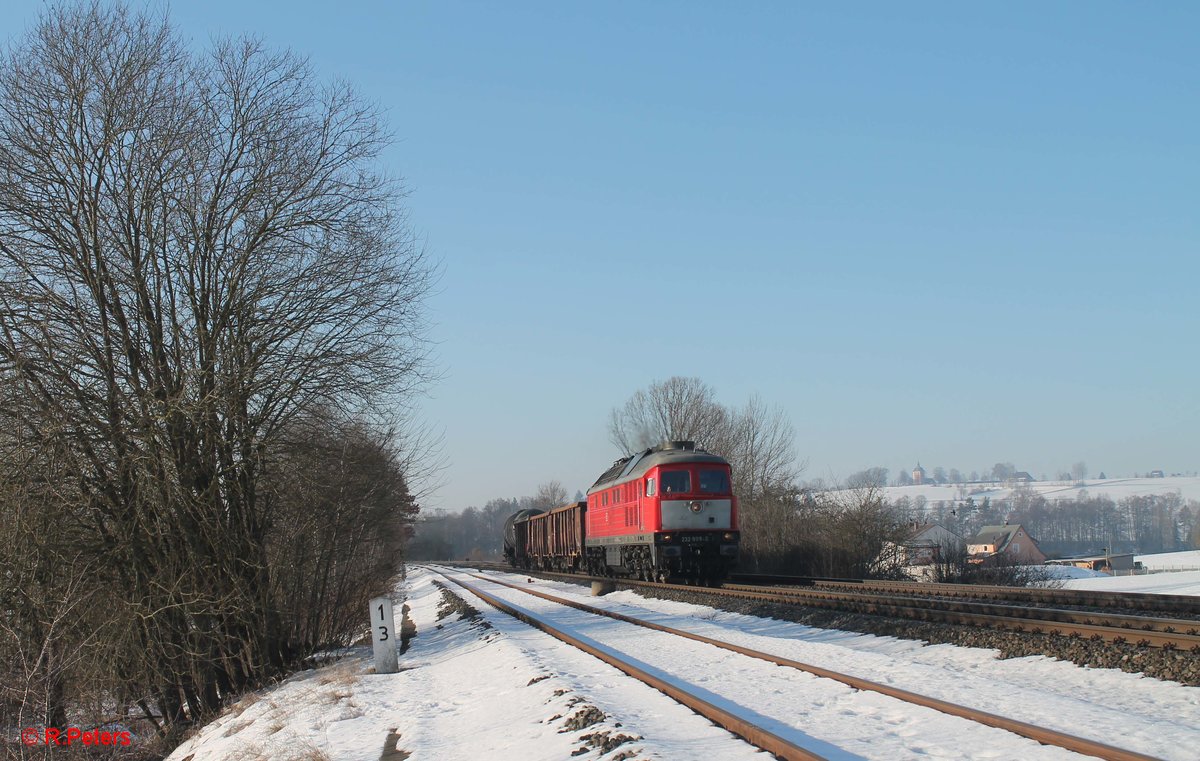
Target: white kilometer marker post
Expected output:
[383,635]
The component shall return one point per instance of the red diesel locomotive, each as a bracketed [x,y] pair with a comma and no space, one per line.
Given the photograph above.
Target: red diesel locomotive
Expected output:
[664,513]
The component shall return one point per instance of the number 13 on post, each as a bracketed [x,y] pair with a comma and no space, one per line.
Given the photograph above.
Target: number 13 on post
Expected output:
[383,636]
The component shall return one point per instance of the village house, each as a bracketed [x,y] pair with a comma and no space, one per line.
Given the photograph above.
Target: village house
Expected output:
[924,545]
[1012,543]
[928,543]
[1108,562]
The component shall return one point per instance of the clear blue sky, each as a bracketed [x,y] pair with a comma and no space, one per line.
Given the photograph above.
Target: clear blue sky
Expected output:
[954,232]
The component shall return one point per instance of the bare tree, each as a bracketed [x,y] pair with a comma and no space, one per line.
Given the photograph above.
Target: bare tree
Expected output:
[195,253]
[550,494]
[1079,471]
[871,477]
[760,444]
[675,409]
[861,524]
[837,532]
[343,514]
[955,566]
[757,440]
[1002,471]
[773,526]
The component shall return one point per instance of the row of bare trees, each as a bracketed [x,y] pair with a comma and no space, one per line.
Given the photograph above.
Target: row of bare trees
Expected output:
[476,533]
[758,440]
[210,305]
[1146,523]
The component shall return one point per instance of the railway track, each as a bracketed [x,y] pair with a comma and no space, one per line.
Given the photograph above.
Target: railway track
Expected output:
[1179,605]
[1168,633]
[756,735]
[753,732]
[941,603]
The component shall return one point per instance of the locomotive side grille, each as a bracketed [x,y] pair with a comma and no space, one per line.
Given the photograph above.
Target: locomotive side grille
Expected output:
[680,514]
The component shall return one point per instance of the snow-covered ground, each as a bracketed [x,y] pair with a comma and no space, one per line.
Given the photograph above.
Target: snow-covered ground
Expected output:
[495,688]
[1189,560]
[1182,583]
[1162,581]
[1116,489]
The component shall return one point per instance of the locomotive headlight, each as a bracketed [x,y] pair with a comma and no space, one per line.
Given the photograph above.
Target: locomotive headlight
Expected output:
[728,536]
[695,506]
[666,537]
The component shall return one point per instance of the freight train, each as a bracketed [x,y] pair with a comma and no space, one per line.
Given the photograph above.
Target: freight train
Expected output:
[665,513]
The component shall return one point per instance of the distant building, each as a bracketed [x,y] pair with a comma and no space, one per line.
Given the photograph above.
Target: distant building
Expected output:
[924,545]
[1157,474]
[1021,477]
[1009,542]
[918,474]
[928,543]
[1105,563]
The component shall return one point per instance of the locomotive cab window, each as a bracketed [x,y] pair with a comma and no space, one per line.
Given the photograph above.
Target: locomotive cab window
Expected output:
[676,482]
[714,481]
[649,487]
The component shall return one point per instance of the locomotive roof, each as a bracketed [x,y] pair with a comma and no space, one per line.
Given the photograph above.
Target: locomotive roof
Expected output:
[667,453]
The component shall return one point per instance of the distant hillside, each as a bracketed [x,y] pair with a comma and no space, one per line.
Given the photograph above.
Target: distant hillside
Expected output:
[1140,515]
[1115,489]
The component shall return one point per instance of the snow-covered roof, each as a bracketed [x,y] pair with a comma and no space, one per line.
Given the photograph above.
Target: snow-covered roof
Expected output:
[929,532]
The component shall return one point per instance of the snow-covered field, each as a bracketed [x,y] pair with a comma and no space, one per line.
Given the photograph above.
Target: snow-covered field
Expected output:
[1188,560]
[495,688]
[1116,489]
[1182,583]
[1163,581]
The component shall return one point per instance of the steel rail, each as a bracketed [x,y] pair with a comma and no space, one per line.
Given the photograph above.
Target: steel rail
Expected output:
[1039,734]
[1128,600]
[751,733]
[1114,620]
[1045,621]
[1179,604]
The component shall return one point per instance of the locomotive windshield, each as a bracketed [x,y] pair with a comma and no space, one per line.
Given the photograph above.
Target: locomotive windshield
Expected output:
[714,481]
[676,482]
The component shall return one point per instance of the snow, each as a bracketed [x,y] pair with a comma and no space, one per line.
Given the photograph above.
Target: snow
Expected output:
[1162,579]
[1181,583]
[1188,560]
[505,691]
